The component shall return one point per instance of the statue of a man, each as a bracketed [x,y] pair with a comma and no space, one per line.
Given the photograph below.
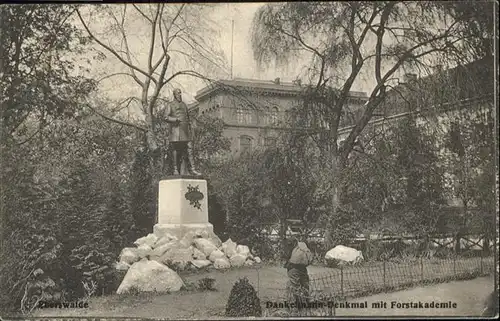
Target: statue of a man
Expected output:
[180,134]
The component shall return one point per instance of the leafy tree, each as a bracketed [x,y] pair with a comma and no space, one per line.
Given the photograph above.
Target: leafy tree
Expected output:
[472,169]
[209,138]
[268,187]
[142,194]
[344,41]
[418,164]
[39,89]
[396,184]
[240,187]
[38,83]
[69,180]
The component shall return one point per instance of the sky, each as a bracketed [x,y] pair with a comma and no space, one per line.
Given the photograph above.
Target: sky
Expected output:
[244,65]
[224,14]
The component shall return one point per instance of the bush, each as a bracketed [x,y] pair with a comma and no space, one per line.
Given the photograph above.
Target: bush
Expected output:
[206,284]
[243,300]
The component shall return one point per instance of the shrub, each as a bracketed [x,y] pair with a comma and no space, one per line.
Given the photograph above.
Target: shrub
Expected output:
[188,286]
[94,266]
[133,291]
[206,284]
[243,300]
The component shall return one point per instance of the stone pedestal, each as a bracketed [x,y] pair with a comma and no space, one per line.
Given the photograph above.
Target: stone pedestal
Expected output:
[182,206]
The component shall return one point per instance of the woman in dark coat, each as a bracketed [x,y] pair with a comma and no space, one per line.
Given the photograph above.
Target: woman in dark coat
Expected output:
[297,274]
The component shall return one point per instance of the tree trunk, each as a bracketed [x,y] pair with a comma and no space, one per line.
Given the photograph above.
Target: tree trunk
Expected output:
[486,244]
[155,180]
[461,230]
[336,186]
[155,166]
[283,228]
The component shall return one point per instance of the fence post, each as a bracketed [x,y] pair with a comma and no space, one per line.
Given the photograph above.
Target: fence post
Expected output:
[342,281]
[383,273]
[454,265]
[421,269]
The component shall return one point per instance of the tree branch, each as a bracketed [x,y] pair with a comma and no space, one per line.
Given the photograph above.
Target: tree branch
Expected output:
[112,51]
[116,120]
[153,36]
[159,86]
[188,73]
[161,83]
[380,35]
[113,75]
[127,48]
[141,13]
[372,103]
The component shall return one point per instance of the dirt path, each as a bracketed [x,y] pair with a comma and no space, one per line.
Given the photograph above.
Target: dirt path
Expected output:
[469,297]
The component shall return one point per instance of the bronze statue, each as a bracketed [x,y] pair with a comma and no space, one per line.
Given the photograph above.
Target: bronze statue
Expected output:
[180,134]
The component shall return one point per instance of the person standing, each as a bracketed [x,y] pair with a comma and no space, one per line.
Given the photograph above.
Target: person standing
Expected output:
[298,257]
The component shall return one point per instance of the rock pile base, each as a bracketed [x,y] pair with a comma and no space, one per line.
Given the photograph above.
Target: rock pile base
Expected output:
[153,263]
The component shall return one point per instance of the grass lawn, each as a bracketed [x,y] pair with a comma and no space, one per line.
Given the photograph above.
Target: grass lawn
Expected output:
[270,282]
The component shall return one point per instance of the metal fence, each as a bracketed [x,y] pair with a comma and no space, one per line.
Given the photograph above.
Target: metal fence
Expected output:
[364,280]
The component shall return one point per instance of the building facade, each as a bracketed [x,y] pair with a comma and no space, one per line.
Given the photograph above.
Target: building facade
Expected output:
[255,111]
[458,98]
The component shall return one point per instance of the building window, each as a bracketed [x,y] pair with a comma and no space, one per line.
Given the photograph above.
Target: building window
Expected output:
[245,144]
[248,116]
[273,116]
[240,115]
[243,115]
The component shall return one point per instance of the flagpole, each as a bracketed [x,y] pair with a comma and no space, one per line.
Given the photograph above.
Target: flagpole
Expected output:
[232,34]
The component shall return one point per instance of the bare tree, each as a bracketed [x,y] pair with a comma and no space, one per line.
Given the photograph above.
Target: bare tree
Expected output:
[346,41]
[179,42]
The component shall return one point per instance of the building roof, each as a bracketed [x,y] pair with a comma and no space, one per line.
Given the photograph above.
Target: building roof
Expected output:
[263,86]
[473,80]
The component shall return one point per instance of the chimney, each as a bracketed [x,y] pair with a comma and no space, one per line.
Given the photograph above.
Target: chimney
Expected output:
[408,78]
[277,81]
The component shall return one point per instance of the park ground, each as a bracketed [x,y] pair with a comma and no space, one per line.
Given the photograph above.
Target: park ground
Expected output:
[270,282]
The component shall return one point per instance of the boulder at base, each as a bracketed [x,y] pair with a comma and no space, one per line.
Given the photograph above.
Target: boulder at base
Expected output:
[204,245]
[187,239]
[143,250]
[121,266]
[129,255]
[243,249]
[215,239]
[229,247]
[148,240]
[201,233]
[167,238]
[237,260]
[221,264]
[200,263]
[162,249]
[217,254]
[149,276]
[197,254]
[177,258]
[342,255]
